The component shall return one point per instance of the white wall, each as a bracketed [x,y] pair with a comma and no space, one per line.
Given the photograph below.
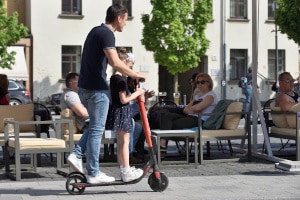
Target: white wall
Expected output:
[51,32]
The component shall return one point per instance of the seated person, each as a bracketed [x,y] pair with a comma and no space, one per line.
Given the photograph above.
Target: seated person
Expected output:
[203,102]
[286,97]
[70,100]
[4,94]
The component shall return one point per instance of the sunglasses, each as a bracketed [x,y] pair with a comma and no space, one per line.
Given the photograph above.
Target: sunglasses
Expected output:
[201,82]
[288,81]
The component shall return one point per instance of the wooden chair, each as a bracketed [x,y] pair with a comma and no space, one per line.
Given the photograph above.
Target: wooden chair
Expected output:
[109,138]
[18,112]
[35,145]
[286,125]
[229,130]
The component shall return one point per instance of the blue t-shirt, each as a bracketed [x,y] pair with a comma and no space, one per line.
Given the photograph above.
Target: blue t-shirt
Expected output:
[94,61]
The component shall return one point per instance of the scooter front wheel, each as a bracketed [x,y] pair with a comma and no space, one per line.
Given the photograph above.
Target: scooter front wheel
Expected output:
[158,185]
[76,184]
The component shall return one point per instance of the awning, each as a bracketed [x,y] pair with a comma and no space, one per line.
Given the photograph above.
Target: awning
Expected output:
[19,69]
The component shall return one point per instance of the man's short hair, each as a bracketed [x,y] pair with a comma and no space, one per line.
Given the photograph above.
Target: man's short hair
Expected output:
[114,11]
[71,77]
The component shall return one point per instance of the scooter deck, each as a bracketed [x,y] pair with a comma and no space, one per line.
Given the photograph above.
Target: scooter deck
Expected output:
[116,182]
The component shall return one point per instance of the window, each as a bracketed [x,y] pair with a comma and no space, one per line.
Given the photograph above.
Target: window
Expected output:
[272,61]
[71,58]
[238,63]
[127,4]
[71,7]
[271,9]
[238,9]
[128,49]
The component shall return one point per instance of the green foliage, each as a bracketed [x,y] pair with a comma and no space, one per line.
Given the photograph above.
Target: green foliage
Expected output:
[10,32]
[287,17]
[174,32]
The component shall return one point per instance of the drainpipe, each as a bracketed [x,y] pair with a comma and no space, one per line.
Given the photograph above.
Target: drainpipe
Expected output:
[223,48]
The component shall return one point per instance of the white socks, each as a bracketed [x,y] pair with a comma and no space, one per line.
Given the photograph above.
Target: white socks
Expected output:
[124,169]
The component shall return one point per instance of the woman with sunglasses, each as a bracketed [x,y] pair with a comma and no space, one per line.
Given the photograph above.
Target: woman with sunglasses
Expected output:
[286,97]
[204,102]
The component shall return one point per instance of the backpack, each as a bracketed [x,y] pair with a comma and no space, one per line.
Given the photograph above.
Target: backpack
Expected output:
[243,82]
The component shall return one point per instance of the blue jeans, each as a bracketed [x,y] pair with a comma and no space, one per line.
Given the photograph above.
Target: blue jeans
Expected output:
[247,91]
[137,129]
[97,104]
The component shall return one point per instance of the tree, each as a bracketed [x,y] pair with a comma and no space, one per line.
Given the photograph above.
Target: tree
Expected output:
[10,33]
[175,33]
[287,18]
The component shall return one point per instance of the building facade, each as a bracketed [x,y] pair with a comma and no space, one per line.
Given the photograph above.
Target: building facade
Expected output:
[58,29]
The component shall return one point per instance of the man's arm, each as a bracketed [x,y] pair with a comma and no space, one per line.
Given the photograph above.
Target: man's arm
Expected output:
[283,102]
[119,65]
[79,110]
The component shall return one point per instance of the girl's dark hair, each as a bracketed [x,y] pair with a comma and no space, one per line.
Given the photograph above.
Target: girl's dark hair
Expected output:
[194,76]
[114,11]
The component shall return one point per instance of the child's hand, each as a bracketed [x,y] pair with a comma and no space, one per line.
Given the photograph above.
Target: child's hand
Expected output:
[143,98]
[149,94]
[139,90]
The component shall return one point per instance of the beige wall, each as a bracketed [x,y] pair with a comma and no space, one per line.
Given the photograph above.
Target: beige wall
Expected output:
[16,5]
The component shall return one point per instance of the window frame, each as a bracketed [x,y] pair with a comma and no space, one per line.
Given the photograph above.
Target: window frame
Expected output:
[128,6]
[271,62]
[236,11]
[71,14]
[128,48]
[238,63]
[73,60]
[271,9]
[70,4]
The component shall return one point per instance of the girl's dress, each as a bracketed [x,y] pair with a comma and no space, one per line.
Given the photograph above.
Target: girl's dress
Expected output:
[119,115]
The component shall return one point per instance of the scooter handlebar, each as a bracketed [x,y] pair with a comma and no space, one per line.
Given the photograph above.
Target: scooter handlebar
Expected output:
[141,80]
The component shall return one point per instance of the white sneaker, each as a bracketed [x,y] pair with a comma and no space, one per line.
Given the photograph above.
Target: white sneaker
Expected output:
[75,163]
[132,174]
[100,178]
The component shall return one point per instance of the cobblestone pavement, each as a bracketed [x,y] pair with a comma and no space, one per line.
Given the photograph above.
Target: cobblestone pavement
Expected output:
[240,179]
[234,180]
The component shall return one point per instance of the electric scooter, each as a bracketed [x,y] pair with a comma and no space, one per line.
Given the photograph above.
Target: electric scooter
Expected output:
[158,181]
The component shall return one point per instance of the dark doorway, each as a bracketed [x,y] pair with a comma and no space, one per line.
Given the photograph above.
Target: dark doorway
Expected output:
[166,80]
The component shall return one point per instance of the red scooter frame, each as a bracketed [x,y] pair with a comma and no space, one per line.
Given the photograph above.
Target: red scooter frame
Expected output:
[158,181]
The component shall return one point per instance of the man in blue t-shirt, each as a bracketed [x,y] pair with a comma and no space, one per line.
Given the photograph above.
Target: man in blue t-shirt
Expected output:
[98,51]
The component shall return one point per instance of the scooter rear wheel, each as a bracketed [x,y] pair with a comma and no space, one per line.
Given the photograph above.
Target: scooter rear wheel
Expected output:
[158,185]
[73,185]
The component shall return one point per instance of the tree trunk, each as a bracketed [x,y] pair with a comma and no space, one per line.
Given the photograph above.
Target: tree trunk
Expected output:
[176,83]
